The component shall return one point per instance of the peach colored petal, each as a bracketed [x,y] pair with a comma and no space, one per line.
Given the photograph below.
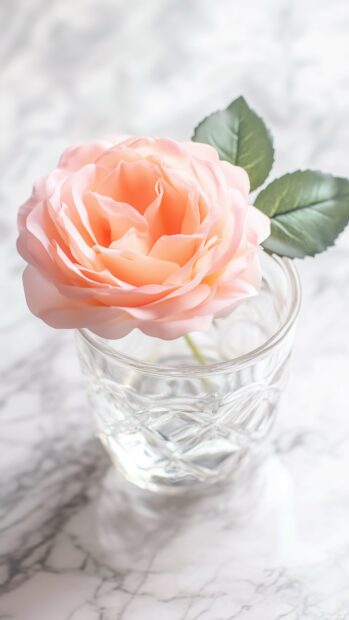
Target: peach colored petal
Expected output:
[112,157]
[176,248]
[153,215]
[202,151]
[98,218]
[172,207]
[83,253]
[237,177]
[118,327]
[159,149]
[175,326]
[45,301]
[36,239]
[80,276]
[211,183]
[192,214]
[132,183]
[135,268]
[183,182]
[258,226]
[132,240]
[81,182]
[78,155]
[171,305]
[119,215]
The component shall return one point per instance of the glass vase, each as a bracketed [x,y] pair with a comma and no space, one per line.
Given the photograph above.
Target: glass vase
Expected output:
[171,423]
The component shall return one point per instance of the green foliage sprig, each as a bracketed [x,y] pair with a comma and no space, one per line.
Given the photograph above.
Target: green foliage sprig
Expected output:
[308,209]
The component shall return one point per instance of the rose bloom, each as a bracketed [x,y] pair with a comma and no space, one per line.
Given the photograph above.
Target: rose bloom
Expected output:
[140,233]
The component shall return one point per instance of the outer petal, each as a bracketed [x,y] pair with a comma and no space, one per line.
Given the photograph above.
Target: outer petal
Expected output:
[258,226]
[78,155]
[175,326]
[237,177]
[202,151]
[45,301]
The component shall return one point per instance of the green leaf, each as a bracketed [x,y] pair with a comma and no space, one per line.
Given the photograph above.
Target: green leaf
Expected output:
[308,210]
[241,138]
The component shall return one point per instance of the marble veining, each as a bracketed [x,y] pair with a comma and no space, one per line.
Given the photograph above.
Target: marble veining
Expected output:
[76,542]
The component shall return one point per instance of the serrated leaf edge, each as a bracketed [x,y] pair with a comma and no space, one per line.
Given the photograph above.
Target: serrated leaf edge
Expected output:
[269,134]
[287,174]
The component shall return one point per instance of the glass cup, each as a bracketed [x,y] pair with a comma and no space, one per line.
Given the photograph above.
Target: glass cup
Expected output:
[171,423]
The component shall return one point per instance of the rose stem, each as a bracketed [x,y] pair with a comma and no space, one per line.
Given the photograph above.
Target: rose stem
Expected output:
[196,352]
[200,358]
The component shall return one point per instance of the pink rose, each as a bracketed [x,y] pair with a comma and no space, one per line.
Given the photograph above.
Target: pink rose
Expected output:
[140,232]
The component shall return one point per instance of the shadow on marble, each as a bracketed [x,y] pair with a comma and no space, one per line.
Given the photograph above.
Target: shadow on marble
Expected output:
[248,517]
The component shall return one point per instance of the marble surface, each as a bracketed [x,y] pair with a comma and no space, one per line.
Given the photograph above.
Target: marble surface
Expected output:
[76,543]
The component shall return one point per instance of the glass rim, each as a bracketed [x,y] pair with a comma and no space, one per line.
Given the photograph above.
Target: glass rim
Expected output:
[236,363]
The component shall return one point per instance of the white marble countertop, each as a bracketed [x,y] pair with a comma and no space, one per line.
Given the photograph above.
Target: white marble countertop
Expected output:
[76,70]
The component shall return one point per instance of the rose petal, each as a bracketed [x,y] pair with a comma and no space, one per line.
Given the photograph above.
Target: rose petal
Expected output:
[176,248]
[78,155]
[132,183]
[136,268]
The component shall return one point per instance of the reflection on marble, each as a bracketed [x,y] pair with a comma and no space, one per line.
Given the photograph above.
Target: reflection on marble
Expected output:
[77,543]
